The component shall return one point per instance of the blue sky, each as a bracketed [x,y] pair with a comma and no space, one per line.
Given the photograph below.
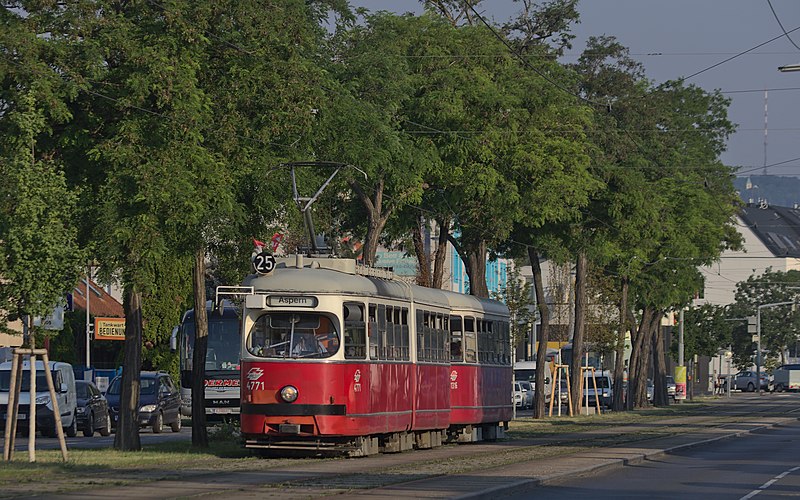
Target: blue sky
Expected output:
[677,38]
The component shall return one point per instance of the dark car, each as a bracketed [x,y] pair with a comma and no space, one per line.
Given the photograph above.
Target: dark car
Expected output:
[159,401]
[92,409]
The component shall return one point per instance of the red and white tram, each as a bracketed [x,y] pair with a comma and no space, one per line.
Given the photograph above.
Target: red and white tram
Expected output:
[339,357]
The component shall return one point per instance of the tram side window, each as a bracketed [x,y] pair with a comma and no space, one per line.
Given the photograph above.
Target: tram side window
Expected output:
[494,346]
[373,332]
[456,347]
[403,341]
[426,352]
[436,337]
[506,338]
[443,355]
[470,345]
[382,341]
[355,331]
[420,335]
[425,332]
[481,341]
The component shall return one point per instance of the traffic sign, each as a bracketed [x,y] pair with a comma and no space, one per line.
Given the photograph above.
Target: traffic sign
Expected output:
[264,263]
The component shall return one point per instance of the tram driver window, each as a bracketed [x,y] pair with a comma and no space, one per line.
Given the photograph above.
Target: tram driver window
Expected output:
[295,335]
[355,335]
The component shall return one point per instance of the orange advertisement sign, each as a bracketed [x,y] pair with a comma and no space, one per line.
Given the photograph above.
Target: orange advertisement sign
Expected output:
[109,328]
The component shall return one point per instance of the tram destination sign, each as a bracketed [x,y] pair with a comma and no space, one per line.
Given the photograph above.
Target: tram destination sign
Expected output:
[291,301]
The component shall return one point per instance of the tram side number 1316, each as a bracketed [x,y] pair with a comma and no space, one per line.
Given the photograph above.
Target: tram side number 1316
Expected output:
[264,263]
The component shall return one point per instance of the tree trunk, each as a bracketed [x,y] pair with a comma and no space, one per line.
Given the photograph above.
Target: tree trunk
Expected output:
[636,353]
[199,431]
[476,270]
[376,219]
[619,365]
[127,434]
[579,329]
[474,258]
[541,349]
[441,253]
[660,376]
[645,361]
[423,259]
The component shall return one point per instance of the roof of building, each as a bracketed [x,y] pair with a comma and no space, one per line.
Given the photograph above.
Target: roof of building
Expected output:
[777,227]
[100,302]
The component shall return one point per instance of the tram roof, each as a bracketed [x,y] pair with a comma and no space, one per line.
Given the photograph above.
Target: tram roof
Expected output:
[340,279]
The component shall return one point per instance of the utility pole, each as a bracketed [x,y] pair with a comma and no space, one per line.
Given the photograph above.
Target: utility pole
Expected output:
[88,321]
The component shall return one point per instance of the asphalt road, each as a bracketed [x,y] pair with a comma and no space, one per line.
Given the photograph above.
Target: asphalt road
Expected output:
[97,441]
[765,464]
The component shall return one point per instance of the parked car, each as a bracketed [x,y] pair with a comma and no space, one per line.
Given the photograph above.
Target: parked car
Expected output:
[527,391]
[563,395]
[519,395]
[92,409]
[159,401]
[604,384]
[64,385]
[671,387]
[526,370]
[746,381]
[651,390]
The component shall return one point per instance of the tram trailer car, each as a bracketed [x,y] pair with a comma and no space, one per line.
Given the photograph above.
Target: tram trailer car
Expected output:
[341,358]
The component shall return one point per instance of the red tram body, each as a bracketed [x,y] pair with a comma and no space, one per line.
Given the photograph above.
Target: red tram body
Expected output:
[340,357]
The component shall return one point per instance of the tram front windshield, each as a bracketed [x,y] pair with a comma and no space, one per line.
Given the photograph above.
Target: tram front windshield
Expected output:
[293,335]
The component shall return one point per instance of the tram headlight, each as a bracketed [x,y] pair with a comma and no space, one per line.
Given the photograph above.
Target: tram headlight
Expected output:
[289,394]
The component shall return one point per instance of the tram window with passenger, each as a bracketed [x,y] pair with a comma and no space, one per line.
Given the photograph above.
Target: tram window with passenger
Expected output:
[281,335]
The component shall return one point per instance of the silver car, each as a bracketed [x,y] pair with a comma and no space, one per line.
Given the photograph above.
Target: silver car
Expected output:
[746,381]
[527,392]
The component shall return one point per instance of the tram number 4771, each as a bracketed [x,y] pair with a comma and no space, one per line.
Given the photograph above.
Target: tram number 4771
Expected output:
[255,385]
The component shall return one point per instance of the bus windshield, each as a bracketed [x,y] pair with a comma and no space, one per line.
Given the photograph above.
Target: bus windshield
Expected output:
[222,351]
[293,335]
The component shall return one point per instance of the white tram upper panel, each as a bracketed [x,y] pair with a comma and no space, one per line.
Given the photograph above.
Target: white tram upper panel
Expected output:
[329,276]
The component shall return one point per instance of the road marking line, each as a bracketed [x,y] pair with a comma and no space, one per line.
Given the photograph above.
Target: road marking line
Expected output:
[769,483]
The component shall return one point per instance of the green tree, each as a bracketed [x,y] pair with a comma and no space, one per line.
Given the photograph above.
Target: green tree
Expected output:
[41,259]
[706,331]
[516,293]
[780,325]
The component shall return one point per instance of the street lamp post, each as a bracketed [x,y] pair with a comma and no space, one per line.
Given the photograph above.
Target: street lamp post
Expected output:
[789,68]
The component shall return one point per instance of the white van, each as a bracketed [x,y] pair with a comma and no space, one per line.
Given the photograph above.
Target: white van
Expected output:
[526,371]
[64,383]
[604,383]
